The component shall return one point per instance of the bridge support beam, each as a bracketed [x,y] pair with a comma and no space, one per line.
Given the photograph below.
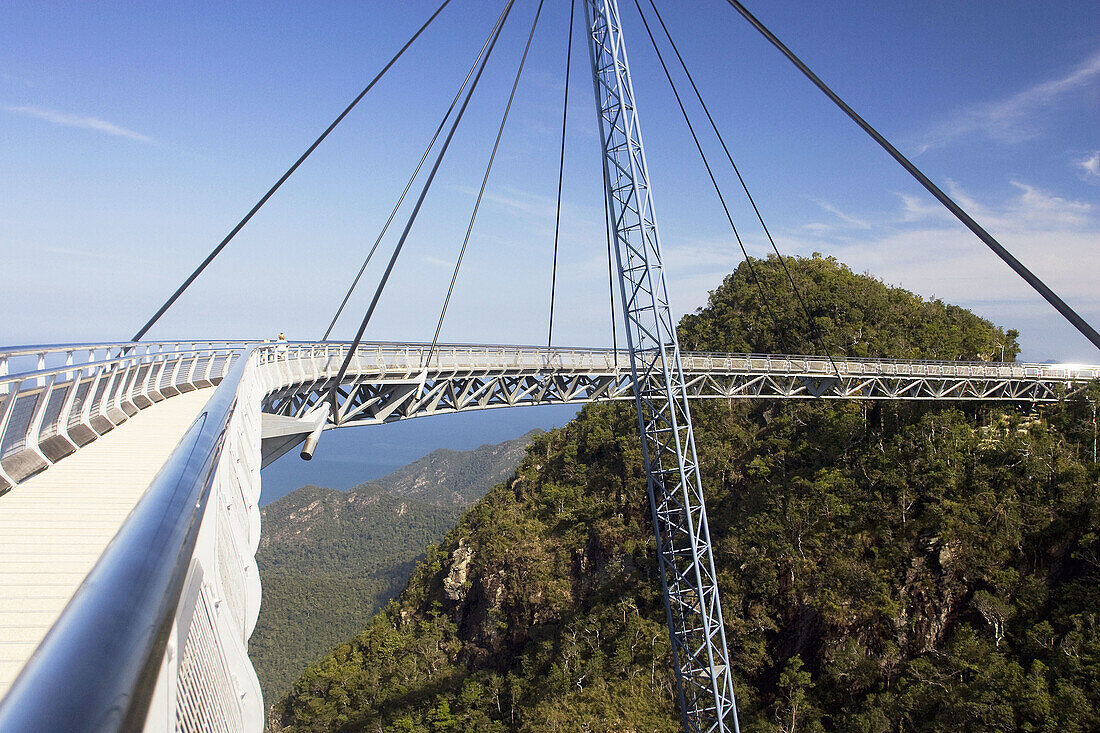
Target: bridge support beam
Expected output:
[280,434]
[314,435]
[700,656]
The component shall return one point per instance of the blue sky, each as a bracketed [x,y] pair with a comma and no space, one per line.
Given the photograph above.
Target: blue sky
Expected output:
[134,135]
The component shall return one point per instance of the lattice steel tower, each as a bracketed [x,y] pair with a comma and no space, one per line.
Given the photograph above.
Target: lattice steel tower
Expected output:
[699,653]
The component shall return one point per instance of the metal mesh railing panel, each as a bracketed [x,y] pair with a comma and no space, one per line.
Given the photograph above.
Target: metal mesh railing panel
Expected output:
[218,369]
[140,377]
[200,367]
[15,437]
[76,412]
[121,381]
[205,687]
[53,411]
[97,398]
[167,377]
[229,570]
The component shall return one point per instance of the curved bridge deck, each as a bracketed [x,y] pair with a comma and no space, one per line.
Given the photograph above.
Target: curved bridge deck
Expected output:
[56,524]
[388,382]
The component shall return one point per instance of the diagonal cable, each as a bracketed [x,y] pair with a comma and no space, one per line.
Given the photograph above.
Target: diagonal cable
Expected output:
[416,210]
[561,174]
[714,182]
[401,198]
[271,191]
[1018,267]
[815,333]
[484,182]
[610,274]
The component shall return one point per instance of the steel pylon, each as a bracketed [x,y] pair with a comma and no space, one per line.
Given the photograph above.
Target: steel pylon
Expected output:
[700,656]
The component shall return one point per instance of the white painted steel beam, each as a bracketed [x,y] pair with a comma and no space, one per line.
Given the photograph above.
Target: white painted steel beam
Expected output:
[392,382]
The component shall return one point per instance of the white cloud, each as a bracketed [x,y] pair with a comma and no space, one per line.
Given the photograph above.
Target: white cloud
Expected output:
[918,247]
[917,208]
[1014,118]
[695,254]
[1057,238]
[438,262]
[515,201]
[1042,209]
[1031,210]
[1089,167]
[80,121]
[849,220]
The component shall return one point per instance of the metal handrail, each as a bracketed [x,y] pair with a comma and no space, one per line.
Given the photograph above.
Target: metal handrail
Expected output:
[34,349]
[110,361]
[146,349]
[97,667]
[119,364]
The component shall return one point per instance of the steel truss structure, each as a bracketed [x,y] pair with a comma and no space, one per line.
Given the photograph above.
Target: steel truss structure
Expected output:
[56,399]
[699,652]
[389,382]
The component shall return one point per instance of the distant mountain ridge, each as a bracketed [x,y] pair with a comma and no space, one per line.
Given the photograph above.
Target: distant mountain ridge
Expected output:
[330,559]
[463,473]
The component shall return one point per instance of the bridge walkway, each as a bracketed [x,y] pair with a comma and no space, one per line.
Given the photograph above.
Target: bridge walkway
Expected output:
[54,526]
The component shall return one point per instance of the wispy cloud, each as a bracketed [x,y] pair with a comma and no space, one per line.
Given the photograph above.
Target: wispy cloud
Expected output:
[1089,167]
[915,245]
[1052,212]
[917,248]
[918,208]
[849,220]
[1058,238]
[1031,209]
[1016,117]
[79,121]
[438,262]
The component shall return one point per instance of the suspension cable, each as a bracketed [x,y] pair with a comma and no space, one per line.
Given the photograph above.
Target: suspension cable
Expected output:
[561,174]
[815,333]
[610,275]
[484,182]
[401,198]
[271,191]
[416,210]
[1018,267]
[714,183]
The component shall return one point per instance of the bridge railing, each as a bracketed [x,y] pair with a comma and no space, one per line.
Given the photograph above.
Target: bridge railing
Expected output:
[64,397]
[155,637]
[56,399]
[413,358]
[853,366]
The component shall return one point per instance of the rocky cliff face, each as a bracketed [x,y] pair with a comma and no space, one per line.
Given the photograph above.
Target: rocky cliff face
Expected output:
[330,559]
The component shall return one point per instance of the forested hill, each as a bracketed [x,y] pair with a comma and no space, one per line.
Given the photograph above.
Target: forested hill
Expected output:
[330,559]
[849,314]
[456,477]
[890,567]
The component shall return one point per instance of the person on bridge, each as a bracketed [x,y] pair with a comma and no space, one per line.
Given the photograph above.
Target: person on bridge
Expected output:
[280,346]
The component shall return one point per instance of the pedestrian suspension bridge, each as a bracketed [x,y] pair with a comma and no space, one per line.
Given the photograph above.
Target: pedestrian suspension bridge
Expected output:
[130,472]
